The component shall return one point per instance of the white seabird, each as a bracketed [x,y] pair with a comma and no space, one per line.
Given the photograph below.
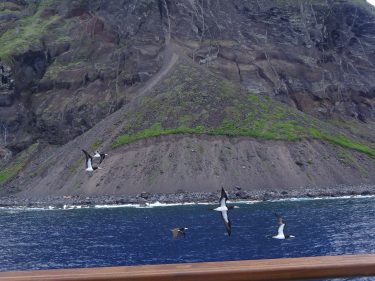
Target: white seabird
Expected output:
[224,210]
[280,231]
[89,166]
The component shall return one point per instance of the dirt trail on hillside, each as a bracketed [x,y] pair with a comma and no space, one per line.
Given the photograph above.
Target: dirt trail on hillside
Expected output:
[170,59]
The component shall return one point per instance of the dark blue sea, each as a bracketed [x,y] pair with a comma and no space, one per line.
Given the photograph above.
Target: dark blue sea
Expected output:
[95,237]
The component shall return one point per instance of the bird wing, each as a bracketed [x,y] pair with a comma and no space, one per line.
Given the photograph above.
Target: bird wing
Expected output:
[88,159]
[280,231]
[89,163]
[102,156]
[223,198]
[227,223]
[174,233]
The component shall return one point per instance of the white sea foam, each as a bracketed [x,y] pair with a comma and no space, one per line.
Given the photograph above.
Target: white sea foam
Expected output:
[151,205]
[323,198]
[47,208]
[20,209]
[108,206]
[247,202]
[157,204]
[71,207]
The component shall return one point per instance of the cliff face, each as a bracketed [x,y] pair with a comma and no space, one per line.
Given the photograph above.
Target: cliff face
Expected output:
[276,70]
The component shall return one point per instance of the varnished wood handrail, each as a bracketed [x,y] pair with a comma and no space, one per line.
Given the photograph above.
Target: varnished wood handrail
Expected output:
[270,269]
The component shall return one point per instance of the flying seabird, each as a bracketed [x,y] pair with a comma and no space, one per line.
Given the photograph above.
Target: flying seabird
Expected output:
[100,155]
[224,210]
[178,231]
[89,166]
[280,231]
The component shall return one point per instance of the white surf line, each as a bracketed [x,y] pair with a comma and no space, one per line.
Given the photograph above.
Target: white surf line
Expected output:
[245,202]
[291,199]
[47,208]
[151,205]
[158,204]
[21,208]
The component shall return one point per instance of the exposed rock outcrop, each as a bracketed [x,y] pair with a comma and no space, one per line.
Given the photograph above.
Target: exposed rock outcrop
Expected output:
[6,86]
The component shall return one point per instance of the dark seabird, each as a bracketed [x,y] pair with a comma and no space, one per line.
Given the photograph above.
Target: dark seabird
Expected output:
[89,166]
[178,231]
[224,210]
[100,155]
[280,231]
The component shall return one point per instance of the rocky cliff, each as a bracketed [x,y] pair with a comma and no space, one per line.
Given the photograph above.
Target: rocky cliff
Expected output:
[186,94]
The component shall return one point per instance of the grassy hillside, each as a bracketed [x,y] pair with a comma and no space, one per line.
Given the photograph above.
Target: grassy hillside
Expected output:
[17,164]
[193,101]
[27,32]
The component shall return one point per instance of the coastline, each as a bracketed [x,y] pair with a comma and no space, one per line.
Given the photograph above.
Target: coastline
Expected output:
[179,198]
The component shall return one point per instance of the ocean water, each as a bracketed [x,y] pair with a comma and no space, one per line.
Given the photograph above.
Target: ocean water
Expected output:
[95,237]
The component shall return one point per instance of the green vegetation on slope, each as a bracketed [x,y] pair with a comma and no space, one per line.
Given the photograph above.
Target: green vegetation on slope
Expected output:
[154,131]
[191,101]
[26,33]
[17,164]
[9,6]
[342,141]
[260,117]
[287,130]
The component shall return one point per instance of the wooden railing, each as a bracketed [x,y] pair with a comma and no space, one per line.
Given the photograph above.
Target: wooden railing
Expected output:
[271,269]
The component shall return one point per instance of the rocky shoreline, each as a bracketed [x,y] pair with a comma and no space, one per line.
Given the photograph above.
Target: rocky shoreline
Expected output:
[235,194]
